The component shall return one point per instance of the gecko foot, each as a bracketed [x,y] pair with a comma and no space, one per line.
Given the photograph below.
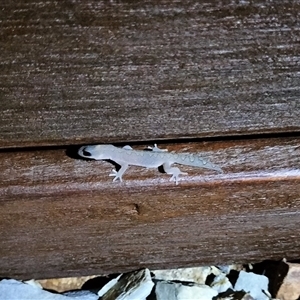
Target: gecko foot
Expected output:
[116,174]
[175,176]
[156,149]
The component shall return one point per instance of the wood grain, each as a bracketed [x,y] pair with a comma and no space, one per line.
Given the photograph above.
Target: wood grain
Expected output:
[61,216]
[108,71]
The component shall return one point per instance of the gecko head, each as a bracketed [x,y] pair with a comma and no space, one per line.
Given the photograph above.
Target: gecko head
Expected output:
[84,151]
[96,151]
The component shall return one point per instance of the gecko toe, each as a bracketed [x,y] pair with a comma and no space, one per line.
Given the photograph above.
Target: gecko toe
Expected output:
[114,172]
[116,178]
[174,178]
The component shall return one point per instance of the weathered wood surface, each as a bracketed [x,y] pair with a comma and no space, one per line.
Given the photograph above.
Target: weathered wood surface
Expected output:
[61,216]
[111,71]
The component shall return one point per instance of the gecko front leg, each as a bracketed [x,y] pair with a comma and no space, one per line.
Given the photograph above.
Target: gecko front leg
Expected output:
[174,171]
[120,173]
[156,149]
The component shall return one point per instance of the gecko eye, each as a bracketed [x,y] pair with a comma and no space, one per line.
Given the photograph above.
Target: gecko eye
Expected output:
[86,153]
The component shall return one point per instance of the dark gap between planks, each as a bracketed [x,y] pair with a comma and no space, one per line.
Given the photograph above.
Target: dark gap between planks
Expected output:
[70,149]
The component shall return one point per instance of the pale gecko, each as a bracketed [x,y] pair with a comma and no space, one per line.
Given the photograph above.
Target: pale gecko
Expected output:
[149,159]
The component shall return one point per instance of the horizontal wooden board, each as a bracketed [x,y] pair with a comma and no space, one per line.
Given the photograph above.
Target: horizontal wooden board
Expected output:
[61,216]
[108,71]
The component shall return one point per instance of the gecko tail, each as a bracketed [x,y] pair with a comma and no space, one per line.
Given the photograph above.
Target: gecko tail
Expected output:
[210,166]
[217,168]
[196,161]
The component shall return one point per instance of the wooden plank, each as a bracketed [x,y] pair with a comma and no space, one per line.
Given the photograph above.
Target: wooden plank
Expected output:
[64,217]
[138,70]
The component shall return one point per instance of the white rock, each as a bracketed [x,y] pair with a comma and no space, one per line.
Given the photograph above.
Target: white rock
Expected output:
[81,295]
[221,283]
[227,268]
[33,283]
[108,286]
[130,286]
[203,292]
[216,271]
[165,290]
[198,274]
[11,289]
[253,284]
[178,291]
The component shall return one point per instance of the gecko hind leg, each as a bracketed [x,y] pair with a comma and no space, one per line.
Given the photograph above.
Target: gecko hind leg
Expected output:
[119,174]
[174,171]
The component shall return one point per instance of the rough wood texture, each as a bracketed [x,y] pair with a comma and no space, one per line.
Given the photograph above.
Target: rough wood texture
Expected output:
[112,71]
[76,72]
[64,217]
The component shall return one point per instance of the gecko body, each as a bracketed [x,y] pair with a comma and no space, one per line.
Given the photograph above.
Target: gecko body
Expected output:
[149,159]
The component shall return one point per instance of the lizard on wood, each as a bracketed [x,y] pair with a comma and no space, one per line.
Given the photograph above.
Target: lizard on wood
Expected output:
[149,159]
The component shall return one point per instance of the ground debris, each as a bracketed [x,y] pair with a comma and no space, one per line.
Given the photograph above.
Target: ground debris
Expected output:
[268,280]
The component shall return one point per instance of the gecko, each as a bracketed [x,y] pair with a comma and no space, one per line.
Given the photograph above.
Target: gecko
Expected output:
[127,156]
